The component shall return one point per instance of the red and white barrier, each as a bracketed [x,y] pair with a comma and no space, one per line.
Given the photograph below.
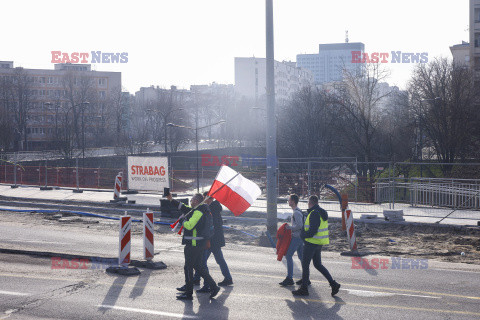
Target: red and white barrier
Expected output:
[352,239]
[118,186]
[148,244]
[123,267]
[125,243]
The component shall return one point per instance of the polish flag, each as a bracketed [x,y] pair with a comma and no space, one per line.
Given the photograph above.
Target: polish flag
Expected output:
[234,191]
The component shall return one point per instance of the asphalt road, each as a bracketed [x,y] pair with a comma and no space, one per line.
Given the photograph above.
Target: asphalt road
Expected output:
[31,289]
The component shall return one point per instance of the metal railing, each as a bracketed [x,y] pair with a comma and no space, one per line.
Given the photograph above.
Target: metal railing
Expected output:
[434,192]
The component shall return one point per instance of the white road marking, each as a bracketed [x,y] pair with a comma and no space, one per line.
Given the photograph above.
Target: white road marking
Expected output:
[11,293]
[366,293]
[160,313]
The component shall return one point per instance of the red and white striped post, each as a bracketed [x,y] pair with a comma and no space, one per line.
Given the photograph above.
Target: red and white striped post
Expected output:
[352,239]
[148,245]
[118,188]
[148,236]
[351,236]
[125,243]
[124,247]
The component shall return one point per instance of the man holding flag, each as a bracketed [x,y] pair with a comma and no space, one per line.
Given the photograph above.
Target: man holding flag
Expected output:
[216,243]
[194,240]
[232,190]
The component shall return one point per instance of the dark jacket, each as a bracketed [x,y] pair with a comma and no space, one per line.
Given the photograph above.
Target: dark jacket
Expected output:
[218,239]
[315,213]
[197,226]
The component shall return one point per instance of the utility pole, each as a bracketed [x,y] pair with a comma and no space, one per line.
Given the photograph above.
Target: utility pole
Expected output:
[271,138]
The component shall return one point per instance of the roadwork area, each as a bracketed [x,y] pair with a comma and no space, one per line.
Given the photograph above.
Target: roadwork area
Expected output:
[408,240]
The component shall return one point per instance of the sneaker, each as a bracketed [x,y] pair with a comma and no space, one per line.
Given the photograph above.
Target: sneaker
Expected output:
[299,282]
[203,289]
[184,296]
[225,282]
[335,287]
[214,291]
[287,282]
[302,291]
[182,288]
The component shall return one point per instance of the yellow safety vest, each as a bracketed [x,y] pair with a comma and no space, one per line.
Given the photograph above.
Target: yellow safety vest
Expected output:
[321,237]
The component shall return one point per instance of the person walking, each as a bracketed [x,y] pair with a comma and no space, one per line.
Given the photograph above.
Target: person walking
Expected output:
[315,236]
[216,243]
[296,244]
[194,241]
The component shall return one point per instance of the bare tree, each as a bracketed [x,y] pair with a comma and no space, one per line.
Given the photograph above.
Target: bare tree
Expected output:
[397,134]
[305,126]
[6,126]
[20,98]
[443,97]
[360,101]
[79,92]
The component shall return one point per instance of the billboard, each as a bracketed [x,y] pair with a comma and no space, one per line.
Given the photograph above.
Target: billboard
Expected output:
[148,173]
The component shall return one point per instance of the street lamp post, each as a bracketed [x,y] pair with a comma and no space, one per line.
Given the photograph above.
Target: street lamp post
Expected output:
[271,137]
[83,106]
[196,141]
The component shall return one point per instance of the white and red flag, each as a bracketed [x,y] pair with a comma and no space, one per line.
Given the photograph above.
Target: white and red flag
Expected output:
[234,191]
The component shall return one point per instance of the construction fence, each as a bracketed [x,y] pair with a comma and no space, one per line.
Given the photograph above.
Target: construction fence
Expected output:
[422,189]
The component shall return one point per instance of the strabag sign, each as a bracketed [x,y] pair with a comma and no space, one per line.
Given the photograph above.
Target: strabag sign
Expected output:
[148,173]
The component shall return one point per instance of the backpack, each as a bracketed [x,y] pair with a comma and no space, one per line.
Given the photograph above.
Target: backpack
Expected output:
[208,229]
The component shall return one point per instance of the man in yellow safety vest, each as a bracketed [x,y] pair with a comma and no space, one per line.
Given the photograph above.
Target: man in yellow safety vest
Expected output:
[314,235]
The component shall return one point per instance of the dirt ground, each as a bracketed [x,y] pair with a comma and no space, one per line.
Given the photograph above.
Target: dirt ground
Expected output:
[408,240]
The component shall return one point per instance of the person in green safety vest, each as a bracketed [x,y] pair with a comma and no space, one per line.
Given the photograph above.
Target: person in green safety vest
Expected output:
[314,235]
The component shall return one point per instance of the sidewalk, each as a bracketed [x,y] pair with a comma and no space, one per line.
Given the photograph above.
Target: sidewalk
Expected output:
[92,197]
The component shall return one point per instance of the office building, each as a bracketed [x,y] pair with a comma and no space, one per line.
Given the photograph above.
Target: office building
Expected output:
[332,59]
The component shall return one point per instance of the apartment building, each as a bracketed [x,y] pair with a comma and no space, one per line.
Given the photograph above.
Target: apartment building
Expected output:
[52,93]
[250,78]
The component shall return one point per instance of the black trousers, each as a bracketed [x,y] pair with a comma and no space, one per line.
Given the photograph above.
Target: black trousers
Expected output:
[313,252]
[194,260]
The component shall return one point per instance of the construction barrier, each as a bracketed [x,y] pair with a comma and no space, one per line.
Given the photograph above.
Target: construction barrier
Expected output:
[117,189]
[352,239]
[124,249]
[351,236]
[148,245]
[118,186]
[125,243]
[148,236]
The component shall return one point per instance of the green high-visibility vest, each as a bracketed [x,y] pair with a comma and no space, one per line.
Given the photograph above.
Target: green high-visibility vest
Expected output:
[321,237]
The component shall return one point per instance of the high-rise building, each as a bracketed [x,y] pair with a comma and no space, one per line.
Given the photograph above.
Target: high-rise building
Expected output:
[331,60]
[51,94]
[250,78]
[475,36]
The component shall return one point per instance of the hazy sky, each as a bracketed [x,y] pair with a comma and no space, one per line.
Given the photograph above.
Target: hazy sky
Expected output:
[184,42]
